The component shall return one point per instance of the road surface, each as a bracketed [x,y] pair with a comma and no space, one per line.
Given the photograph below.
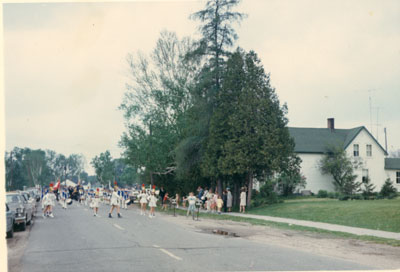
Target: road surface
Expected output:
[75,240]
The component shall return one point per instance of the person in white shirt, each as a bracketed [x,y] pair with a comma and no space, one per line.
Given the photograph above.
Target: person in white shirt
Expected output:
[115,200]
[49,202]
[191,199]
[152,204]
[143,201]
[96,203]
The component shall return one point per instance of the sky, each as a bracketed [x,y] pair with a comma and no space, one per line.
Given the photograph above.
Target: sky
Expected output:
[65,65]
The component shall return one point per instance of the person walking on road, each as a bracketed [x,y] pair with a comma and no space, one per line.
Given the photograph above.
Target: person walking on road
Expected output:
[115,200]
[243,200]
[152,204]
[96,203]
[143,201]
[165,202]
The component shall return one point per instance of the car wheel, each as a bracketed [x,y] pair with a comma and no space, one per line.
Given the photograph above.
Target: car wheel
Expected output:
[23,226]
[10,234]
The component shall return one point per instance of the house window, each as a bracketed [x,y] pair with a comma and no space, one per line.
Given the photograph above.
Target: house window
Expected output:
[398,177]
[369,150]
[365,175]
[356,150]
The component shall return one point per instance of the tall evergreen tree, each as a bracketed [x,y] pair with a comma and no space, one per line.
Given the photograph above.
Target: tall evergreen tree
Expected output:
[248,130]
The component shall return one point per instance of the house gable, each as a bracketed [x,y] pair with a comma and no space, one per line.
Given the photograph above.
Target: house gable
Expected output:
[316,140]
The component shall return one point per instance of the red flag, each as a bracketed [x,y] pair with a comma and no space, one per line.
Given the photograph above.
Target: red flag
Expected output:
[57,185]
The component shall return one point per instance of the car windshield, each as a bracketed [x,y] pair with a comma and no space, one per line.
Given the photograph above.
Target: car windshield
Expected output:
[12,199]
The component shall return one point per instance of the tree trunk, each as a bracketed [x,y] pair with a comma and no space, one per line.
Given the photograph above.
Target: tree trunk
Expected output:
[151,179]
[235,194]
[219,186]
[250,187]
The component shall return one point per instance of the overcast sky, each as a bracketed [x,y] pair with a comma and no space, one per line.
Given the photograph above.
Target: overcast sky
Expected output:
[65,68]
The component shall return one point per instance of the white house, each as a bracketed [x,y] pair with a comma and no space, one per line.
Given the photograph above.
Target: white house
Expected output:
[360,145]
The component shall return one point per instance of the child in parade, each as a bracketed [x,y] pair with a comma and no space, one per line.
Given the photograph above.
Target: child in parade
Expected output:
[115,200]
[152,204]
[49,202]
[143,201]
[64,197]
[214,203]
[96,203]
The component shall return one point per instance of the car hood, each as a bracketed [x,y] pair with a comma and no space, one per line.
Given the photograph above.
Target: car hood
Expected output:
[13,206]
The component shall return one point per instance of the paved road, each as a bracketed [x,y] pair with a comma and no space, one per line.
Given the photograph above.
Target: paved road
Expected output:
[75,240]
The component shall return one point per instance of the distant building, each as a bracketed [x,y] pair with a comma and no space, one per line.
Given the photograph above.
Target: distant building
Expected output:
[360,145]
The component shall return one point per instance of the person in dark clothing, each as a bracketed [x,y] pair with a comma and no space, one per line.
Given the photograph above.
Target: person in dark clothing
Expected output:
[225,199]
[162,194]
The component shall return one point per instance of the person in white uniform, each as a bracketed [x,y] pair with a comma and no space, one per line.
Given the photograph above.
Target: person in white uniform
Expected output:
[96,203]
[152,204]
[114,202]
[143,201]
[243,200]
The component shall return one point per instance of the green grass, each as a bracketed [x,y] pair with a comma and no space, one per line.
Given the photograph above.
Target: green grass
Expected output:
[325,233]
[371,214]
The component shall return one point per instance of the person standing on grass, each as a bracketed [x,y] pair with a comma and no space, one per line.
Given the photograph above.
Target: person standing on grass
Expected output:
[225,200]
[191,199]
[214,203]
[229,199]
[152,204]
[162,194]
[243,200]
[165,202]
[115,200]
[219,203]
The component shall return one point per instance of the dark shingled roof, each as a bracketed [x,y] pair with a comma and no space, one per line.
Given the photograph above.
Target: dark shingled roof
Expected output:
[316,140]
[392,163]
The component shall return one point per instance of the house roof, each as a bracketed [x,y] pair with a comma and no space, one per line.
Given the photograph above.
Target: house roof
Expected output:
[316,140]
[392,163]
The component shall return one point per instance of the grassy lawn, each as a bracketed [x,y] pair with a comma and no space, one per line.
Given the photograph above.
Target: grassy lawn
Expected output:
[370,214]
[327,233]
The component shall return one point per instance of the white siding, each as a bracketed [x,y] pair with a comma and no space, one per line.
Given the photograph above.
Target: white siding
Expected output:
[392,175]
[375,163]
[315,180]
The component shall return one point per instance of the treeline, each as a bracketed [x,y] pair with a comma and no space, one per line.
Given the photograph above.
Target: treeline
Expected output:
[199,113]
[109,170]
[30,167]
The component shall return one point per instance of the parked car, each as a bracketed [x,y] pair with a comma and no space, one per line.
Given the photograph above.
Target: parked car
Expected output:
[21,208]
[34,193]
[31,201]
[10,217]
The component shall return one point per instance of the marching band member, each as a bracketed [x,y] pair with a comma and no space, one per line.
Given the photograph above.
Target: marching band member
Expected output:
[96,202]
[64,197]
[115,200]
[152,202]
[143,200]
[49,202]
[126,198]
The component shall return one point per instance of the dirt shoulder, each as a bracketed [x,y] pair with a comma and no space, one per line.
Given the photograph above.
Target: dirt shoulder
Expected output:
[382,256]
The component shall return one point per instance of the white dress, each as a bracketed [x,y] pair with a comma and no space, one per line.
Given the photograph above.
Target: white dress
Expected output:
[95,202]
[243,199]
[115,199]
[143,198]
[153,201]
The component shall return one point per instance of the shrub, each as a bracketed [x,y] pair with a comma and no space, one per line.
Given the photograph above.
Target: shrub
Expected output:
[357,197]
[267,195]
[388,190]
[331,195]
[344,197]
[322,194]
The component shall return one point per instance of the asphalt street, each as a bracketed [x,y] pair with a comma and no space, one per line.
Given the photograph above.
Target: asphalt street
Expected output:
[75,240]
